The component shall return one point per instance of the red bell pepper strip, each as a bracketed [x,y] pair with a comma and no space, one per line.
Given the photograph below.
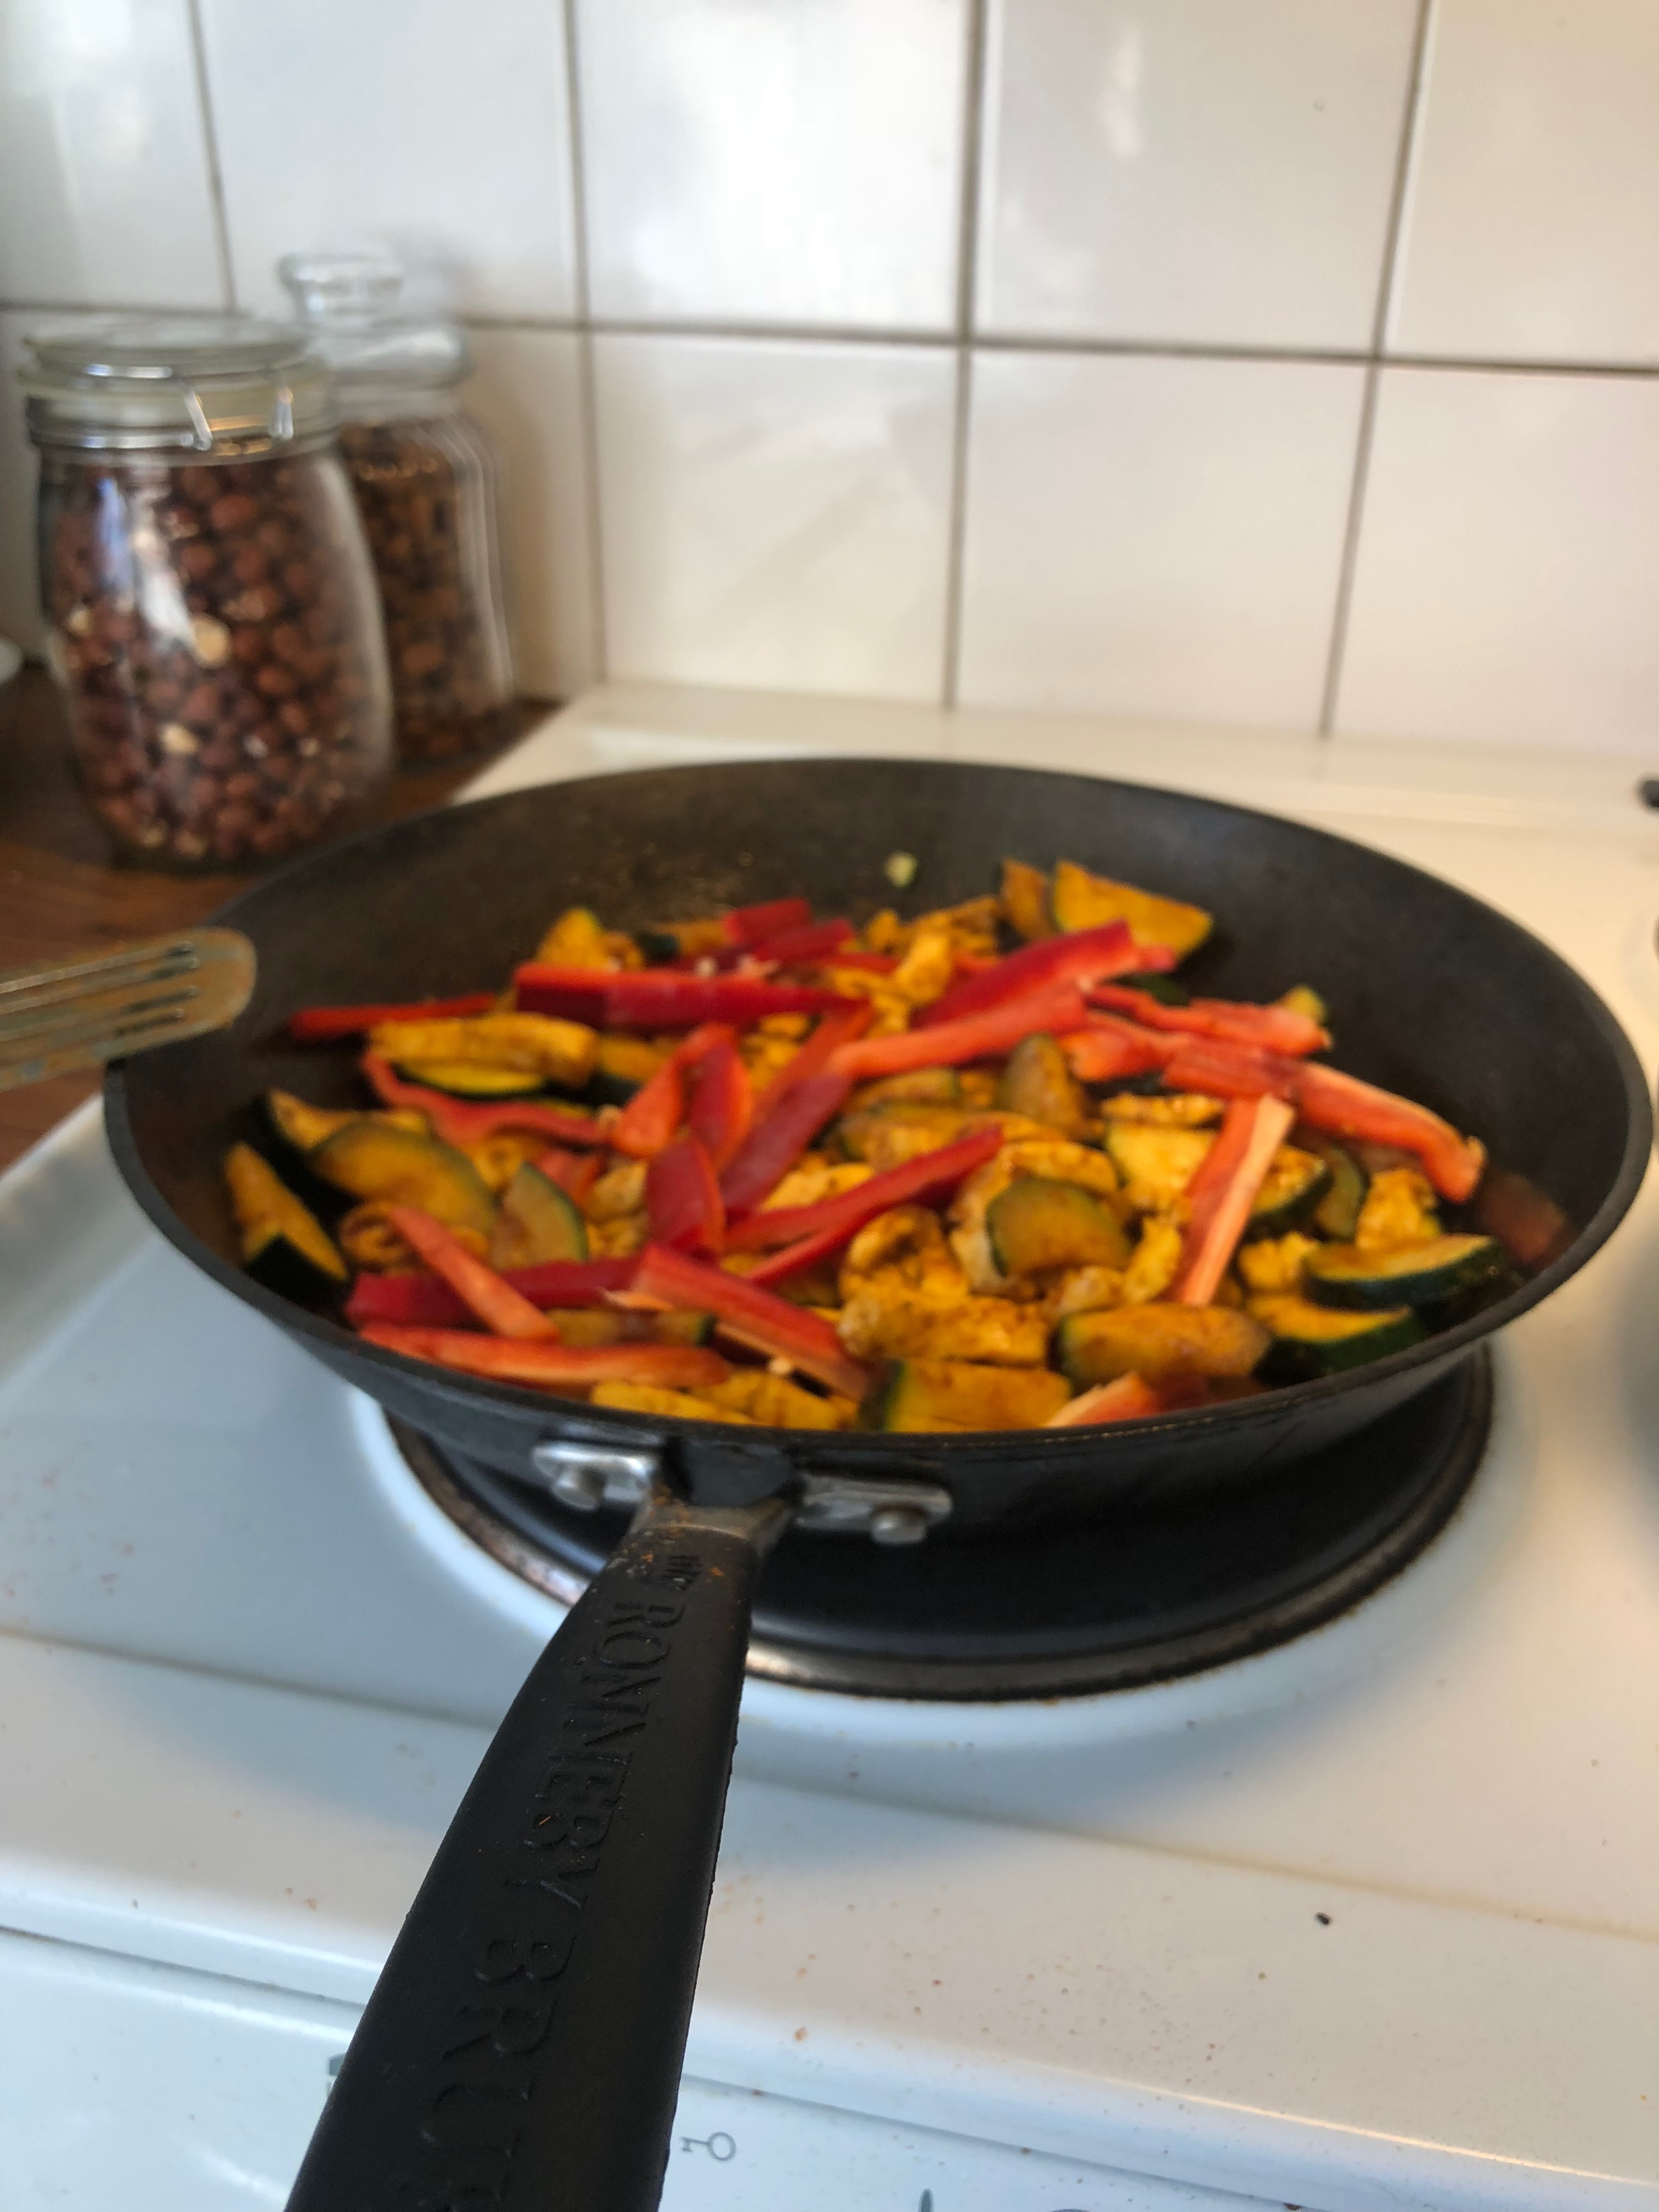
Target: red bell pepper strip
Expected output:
[1126,1398]
[804,1252]
[921,1182]
[682,1198]
[321,1024]
[460,1124]
[748,1315]
[562,1366]
[722,1104]
[800,947]
[1110,1051]
[1086,956]
[659,998]
[751,925]
[1276,1029]
[1340,1104]
[575,1173]
[1058,1007]
[427,1300]
[773,1146]
[1222,1193]
[812,1057]
[655,1111]
[873,963]
[495,1303]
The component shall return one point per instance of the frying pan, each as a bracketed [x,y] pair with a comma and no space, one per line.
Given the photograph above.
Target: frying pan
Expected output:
[523,2045]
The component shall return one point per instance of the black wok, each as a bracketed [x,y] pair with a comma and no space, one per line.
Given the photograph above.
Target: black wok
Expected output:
[523,2045]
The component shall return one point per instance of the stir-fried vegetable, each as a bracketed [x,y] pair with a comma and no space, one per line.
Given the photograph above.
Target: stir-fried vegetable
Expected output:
[911,1174]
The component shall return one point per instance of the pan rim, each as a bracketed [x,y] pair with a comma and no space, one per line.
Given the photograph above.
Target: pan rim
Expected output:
[1279,1403]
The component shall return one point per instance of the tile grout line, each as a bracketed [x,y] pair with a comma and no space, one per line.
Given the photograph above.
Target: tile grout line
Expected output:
[1349,565]
[210,149]
[583,328]
[962,397]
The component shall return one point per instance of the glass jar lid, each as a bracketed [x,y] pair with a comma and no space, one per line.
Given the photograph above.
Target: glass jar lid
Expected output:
[205,383]
[346,304]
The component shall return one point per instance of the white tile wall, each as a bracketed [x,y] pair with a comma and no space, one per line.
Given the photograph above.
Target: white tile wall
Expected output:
[783,164]
[775,513]
[1198,170]
[439,130]
[104,185]
[1508,581]
[1156,536]
[1530,231]
[750,215]
[528,396]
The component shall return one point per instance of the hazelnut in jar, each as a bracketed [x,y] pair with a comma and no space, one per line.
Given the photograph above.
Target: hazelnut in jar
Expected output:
[425,482]
[211,612]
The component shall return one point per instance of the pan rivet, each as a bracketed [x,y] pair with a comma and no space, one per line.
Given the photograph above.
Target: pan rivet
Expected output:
[897,1524]
[581,1486]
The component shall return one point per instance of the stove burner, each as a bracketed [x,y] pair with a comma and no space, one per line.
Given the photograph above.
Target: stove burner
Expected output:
[1141,1598]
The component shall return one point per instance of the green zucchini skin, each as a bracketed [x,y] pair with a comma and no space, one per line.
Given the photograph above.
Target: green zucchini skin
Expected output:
[1039,1223]
[1160,986]
[1343,1276]
[482,1085]
[368,1160]
[536,1221]
[1310,1340]
[1037,1083]
[1337,1214]
[1295,1183]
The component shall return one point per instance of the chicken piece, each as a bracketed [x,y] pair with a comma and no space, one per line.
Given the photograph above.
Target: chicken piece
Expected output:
[1039,1154]
[619,1238]
[681,1405]
[764,1056]
[906,1244]
[1087,1290]
[619,1190]
[978,1086]
[1399,1209]
[577,939]
[924,973]
[1181,1109]
[885,1322]
[498,1158]
[1156,1260]
[754,1395]
[1275,1263]
[814,1178]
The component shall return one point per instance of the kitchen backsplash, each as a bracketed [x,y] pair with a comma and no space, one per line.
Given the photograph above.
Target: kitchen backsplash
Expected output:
[1269,361]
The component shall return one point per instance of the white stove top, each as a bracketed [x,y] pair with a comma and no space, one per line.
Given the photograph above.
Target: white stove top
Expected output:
[1368,1921]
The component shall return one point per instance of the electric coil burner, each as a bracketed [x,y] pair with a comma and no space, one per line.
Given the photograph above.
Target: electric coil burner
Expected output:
[1146,1595]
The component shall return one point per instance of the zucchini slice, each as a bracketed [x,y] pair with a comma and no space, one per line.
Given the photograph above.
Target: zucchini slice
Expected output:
[1078,899]
[624,1063]
[282,1243]
[1038,1083]
[538,1046]
[1294,1180]
[1344,1275]
[1039,1223]
[466,1078]
[1337,1214]
[1025,900]
[921,1086]
[305,1126]
[536,1221]
[368,1159]
[1159,1343]
[888,1136]
[1156,1162]
[924,1394]
[1309,1339]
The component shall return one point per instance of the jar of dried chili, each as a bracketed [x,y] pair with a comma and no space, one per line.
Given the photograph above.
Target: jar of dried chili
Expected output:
[210,609]
[425,480]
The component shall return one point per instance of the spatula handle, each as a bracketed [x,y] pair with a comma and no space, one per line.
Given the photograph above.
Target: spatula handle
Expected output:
[522,2047]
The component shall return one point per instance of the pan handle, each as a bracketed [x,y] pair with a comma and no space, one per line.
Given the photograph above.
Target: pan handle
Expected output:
[522,2047]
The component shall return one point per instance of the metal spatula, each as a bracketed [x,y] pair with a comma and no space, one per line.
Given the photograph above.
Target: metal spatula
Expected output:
[82,1012]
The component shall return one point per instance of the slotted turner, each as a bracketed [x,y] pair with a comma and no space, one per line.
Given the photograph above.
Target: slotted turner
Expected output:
[82,1012]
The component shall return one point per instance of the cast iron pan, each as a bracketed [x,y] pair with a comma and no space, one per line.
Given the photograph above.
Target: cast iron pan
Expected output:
[522,2047]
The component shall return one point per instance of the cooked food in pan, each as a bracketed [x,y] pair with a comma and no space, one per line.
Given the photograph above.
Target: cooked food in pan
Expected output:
[988,1168]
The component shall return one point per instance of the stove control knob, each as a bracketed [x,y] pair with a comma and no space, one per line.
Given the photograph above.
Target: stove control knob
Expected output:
[897,1524]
